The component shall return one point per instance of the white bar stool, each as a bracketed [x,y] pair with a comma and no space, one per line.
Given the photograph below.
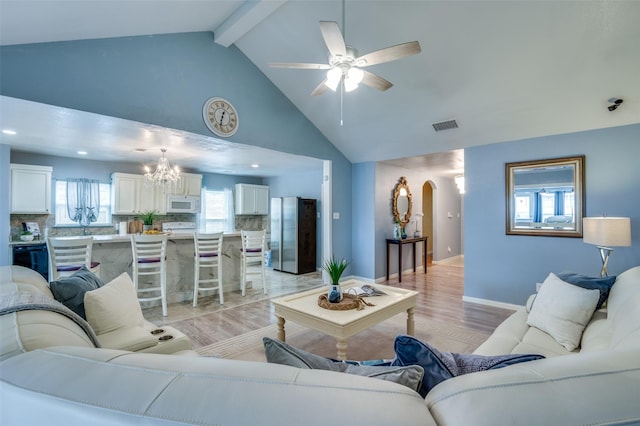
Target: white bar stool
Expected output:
[253,252]
[150,258]
[67,255]
[208,255]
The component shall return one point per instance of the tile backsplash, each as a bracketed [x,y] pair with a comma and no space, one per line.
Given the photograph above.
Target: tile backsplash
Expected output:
[47,222]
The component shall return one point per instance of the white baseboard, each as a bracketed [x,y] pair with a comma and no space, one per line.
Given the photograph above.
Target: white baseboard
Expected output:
[354,277]
[454,259]
[493,303]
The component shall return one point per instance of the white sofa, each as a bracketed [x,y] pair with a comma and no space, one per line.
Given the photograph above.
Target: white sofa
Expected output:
[599,384]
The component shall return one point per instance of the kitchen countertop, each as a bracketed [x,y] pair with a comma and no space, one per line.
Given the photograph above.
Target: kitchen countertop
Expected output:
[116,238]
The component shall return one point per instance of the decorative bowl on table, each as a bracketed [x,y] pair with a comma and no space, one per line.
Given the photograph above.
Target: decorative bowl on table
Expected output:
[28,237]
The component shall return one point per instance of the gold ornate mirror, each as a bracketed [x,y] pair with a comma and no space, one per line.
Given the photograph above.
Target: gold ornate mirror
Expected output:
[545,197]
[402,202]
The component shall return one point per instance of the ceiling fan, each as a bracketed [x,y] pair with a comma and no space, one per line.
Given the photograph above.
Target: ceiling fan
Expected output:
[345,65]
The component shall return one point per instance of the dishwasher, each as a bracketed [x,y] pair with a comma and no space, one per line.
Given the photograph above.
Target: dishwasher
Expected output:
[32,256]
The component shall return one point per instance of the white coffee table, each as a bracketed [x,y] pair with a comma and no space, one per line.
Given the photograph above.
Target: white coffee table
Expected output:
[302,308]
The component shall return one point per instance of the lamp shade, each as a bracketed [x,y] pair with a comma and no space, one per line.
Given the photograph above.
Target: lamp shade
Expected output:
[607,231]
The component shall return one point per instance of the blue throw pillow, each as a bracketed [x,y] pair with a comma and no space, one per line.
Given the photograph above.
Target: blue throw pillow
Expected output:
[603,284]
[70,290]
[278,352]
[439,366]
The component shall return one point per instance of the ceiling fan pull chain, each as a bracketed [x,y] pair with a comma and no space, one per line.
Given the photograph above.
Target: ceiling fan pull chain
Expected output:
[341,97]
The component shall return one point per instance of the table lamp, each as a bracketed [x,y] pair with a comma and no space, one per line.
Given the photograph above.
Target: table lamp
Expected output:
[606,232]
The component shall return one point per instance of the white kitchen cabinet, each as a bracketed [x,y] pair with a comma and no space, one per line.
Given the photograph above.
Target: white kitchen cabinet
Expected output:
[123,193]
[189,184]
[252,199]
[30,189]
[130,194]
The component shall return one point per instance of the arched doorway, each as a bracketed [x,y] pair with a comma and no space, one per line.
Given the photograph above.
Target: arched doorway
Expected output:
[428,201]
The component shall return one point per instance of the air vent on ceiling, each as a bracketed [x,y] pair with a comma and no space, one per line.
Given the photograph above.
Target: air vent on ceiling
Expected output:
[445,125]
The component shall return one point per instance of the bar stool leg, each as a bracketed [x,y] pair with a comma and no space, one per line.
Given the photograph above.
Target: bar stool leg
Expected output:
[163,287]
[243,273]
[264,276]
[196,280]
[220,292]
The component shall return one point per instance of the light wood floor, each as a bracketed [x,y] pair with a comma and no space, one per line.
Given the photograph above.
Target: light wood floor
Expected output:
[440,299]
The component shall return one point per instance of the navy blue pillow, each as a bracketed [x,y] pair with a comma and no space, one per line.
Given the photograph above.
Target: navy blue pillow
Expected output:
[603,284]
[70,290]
[439,366]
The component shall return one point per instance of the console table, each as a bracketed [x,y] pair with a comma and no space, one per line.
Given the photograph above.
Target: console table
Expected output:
[413,242]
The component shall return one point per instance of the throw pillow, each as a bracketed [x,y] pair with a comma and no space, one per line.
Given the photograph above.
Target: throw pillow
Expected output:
[278,352]
[563,310]
[602,284]
[70,290]
[439,366]
[113,306]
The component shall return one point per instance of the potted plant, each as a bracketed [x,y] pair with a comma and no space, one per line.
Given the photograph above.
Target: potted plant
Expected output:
[147,219]
[26,236]
[335,268]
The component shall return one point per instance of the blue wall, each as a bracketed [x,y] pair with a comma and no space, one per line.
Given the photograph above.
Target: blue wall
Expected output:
[506,268]
[363,231]
[165,80]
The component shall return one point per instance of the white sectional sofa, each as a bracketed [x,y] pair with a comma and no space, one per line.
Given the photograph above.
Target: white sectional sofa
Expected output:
[78,384]
[30,329]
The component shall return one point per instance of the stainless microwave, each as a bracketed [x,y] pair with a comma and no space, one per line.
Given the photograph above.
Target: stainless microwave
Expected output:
[183,204]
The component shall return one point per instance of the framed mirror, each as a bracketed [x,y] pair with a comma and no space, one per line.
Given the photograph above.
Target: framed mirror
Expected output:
[545,197]
[402,202]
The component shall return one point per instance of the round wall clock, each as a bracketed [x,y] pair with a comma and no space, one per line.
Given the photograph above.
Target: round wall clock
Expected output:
[220,117]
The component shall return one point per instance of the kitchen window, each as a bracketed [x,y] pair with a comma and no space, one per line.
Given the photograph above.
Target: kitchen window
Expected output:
[62,215]
[217,211]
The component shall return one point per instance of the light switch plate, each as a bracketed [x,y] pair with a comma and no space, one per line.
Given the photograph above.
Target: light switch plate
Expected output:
[336,215]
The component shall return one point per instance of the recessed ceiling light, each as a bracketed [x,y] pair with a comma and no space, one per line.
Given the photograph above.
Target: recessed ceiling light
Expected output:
[82,152]
[140,149]
[8,132]
[255,166]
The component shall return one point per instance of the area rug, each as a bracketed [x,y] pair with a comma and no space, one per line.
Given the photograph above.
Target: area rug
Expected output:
[373,343]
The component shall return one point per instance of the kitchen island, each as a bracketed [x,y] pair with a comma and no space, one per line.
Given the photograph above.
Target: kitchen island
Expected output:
[115,256]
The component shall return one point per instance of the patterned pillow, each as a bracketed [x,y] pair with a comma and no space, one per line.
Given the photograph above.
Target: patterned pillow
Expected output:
[439,366]
[278,352]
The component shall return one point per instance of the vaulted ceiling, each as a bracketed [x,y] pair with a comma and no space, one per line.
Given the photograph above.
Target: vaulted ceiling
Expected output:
[504,70]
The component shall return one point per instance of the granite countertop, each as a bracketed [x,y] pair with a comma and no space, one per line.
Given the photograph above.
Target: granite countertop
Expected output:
[116,238]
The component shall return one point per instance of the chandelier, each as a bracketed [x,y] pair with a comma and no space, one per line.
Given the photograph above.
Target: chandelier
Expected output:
[163,174]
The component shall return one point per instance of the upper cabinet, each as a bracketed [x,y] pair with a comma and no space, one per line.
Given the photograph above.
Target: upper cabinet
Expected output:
[252,199]
[30,189]
[131,194]
[189,184]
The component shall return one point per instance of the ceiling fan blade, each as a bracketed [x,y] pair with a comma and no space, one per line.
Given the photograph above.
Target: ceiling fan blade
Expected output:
[389,54]
[320,89]
[333,38]
[375,81]
[302,66]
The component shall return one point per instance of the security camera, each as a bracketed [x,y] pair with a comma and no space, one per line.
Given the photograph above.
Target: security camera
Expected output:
[616,103]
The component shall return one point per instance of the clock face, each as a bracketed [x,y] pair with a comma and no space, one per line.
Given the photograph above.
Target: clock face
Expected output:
[220,117]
